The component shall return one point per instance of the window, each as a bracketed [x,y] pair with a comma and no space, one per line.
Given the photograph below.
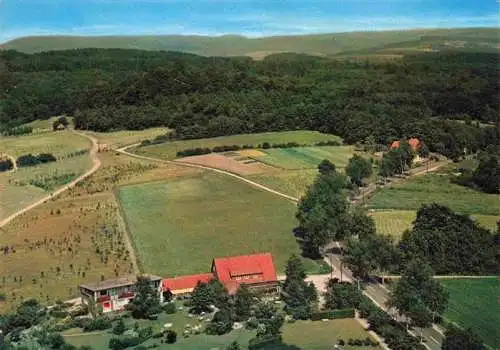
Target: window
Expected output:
[103,292]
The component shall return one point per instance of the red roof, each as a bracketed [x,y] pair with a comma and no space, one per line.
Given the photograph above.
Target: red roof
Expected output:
[248,269]
[185,282]
[413,142]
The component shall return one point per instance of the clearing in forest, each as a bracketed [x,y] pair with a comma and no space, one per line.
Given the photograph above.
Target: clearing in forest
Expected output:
[169,150]
[474,303]
[179,226]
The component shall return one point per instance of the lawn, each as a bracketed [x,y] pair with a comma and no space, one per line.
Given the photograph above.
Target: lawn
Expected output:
[430,188]
[180,225]
[318,335]
[306,157]
[44,125]
[394,222]
[474,303]
[168,150]
[127,137]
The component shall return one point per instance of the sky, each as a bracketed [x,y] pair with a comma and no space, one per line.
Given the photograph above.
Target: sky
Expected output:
[252,18]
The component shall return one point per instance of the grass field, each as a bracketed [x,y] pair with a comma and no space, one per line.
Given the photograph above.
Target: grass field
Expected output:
[290,182]
[230,45]
[57,143]
[179,226]
[306,157]
[394,222]
[435,188]
[127,137]
[168,150]
[16,189]
[474,304]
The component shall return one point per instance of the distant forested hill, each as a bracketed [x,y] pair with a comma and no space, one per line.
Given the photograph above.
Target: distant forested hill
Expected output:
[109,89]
[355,43]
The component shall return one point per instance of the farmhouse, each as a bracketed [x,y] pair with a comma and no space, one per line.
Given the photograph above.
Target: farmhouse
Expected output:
[414,143]
[114,294]
[256,271]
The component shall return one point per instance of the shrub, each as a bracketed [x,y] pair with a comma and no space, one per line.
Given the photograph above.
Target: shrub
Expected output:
[120,344]
[170,336]
[31,160]
[6,164]
[119,328]
[170,308]
[332,314]
[97,324]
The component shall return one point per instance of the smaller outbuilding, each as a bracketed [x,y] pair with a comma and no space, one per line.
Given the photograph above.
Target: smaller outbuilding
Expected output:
[183,285]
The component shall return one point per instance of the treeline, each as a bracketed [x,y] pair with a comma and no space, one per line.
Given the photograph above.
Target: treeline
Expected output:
[207,97]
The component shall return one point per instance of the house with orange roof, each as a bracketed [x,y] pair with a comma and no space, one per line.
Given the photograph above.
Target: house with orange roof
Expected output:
[183,285]
[257,271]
[415,145]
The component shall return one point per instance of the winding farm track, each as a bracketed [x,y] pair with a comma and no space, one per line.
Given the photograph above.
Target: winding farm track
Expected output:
[123,150]
[96,165]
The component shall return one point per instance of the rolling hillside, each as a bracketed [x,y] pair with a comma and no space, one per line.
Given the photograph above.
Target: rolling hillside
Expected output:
[355,43]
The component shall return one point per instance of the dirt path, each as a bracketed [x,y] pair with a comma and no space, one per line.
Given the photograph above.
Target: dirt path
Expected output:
[216,170]
[96,164]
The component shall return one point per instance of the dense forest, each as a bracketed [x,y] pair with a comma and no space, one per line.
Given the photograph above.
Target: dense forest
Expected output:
[110,89]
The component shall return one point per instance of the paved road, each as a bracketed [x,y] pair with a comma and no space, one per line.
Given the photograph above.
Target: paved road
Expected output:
[96,165]
[379,294]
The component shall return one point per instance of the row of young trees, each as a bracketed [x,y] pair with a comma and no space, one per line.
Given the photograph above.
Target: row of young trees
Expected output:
[202,97]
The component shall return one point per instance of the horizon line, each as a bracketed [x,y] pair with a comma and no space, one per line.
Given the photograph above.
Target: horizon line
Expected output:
[246,36]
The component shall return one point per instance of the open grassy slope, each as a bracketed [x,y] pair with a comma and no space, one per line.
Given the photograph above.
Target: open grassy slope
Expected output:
[474,304]
[233,45]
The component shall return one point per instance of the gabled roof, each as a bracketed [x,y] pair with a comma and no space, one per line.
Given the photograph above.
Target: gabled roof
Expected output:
[117,282]
[413,142]
[185,282]
[261,266]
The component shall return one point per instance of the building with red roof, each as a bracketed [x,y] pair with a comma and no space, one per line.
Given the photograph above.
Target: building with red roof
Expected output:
[181,285]
[256,271]
[415,145]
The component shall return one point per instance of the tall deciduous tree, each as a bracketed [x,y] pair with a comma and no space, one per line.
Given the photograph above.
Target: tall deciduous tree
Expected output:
[323,213]
[487,174]
[358,168]
[326,167]
[243,301]
[146,302]
[458,339]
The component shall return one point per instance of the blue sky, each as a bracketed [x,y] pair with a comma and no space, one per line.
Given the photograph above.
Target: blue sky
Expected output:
[246,17]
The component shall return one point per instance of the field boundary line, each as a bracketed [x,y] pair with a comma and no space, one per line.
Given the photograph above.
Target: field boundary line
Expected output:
[96,165]
[129,241]
[123,150]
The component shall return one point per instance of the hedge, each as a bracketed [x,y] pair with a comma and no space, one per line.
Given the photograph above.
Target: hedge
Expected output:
[264,341]
[332,314]
[31,160]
